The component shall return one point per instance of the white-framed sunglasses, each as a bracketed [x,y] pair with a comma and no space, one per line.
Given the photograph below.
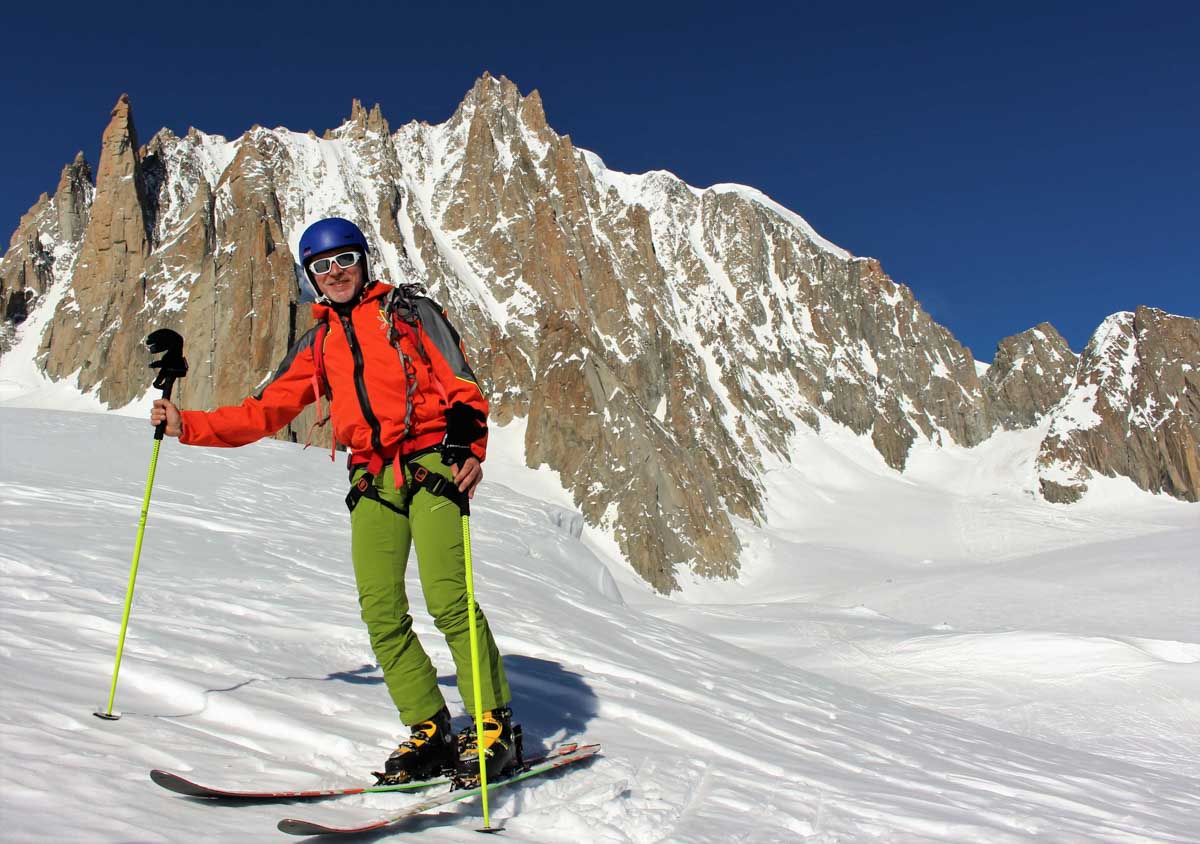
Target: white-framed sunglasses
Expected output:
[345,260]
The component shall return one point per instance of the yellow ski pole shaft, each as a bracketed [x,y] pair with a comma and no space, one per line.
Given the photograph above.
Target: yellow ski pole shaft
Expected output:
[170,366]
[470,577]
[137,554]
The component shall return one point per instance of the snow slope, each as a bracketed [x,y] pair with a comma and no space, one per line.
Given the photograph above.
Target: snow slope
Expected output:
[908,658]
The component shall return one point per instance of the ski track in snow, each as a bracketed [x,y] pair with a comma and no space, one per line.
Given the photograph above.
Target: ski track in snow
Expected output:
[1033,676]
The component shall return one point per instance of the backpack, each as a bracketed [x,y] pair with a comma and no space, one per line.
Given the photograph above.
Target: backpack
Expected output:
[403,295]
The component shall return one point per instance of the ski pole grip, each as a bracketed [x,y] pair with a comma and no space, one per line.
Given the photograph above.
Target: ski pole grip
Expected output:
[170,366]
[160,429]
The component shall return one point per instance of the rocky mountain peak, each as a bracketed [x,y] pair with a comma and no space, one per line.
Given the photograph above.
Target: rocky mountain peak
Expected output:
[532,113]
[1133,409]
[79,163]
[44,246]
[363,121]
[73,197]
[1029,375]
[498,105]
[107,287]
[490,89]
[119,175]
[118,145]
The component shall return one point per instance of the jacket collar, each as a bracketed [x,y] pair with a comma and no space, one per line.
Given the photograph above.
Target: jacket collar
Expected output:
[370,293]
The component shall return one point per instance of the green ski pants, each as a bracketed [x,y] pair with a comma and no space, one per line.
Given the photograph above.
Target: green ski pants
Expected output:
[380,540]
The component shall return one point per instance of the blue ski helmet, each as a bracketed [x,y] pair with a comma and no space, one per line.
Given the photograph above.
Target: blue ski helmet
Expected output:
[332,233]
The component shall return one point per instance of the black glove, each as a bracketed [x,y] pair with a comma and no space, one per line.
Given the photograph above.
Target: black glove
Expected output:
[464,425]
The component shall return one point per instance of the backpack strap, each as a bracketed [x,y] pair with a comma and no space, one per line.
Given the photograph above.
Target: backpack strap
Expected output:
[321,386]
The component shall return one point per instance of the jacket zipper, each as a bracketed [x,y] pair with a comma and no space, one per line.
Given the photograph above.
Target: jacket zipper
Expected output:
[360,386]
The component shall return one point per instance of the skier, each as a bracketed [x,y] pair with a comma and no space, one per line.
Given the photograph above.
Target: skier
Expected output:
[407,406]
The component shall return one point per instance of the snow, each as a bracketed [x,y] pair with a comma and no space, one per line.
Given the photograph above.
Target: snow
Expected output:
[792,217]
[646,189]
[421,190]
[1076,411]
[216,155]
[1115,353]
[20,378]
[891,295]
[978,666]
[660,410]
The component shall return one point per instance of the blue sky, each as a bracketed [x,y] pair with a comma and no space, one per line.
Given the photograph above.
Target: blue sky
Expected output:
[1024,163]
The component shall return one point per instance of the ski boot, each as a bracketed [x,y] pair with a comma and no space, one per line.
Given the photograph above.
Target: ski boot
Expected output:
[430,752]
[501,748]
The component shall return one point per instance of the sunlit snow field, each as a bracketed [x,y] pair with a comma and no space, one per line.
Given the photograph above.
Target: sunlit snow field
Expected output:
[934,656]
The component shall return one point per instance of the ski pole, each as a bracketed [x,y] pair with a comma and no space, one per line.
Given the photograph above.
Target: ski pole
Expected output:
[170,366]
[470,577]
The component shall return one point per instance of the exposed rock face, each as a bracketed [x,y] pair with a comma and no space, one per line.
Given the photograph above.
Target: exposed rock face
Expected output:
[1030,374]
[1134,410]
[229,240]
[173,241]
[44,246]
[682,332]
[103,320]
[660,340]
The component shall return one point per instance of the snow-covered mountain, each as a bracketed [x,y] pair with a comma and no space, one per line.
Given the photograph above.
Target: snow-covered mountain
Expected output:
[664,344]
[978,666]
[1133,409]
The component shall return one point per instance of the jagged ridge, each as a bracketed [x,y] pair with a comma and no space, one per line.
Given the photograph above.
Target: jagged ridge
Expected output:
[660,339]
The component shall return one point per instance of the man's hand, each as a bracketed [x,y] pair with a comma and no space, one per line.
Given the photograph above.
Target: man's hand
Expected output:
[468,475]
[164,410]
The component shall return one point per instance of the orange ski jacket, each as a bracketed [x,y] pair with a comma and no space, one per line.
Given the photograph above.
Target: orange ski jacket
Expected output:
[367,384]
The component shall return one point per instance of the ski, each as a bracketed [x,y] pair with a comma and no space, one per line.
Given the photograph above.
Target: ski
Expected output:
[557,758]
[182,785]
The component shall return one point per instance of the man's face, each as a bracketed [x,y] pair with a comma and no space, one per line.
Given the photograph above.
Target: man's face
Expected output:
[340,284]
